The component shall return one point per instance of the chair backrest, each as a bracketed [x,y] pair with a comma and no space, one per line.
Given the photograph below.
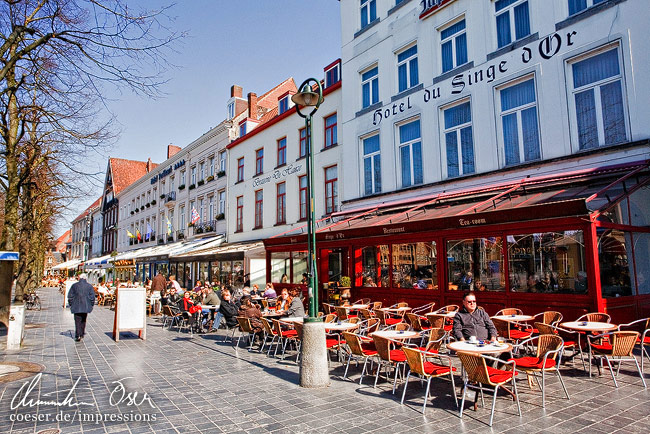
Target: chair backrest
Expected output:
[328,308]
[640,325]
[354,343]
[510,311]
[623,343]
[503,327]
[369,326]
[342,313]
[549,317]
[595,317]
[354,319]
[402,304]
[415,360]
[298,327]
[475,368]
[268,328]
[402,326]
[381,316]
[448,308]
[167,310]
[330,317]
[435,339]
[382,345]
[436,321]
[548,342]
[277,328]
[424,308]
[376,305]
[545,329]
[365,313]
[414,320]
[265,303]
[365,301]
[244,324]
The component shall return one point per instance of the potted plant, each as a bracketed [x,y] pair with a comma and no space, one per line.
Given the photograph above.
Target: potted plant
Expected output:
[221,173]
[210,178]
[198,230]
[181,187]
[137,210]
[132,212]
[220,216]
[142,208]
[192,187]
[153,202]
[162,196]
[201,182]
[344,287]
[209,228]
[148,204]
[190,225]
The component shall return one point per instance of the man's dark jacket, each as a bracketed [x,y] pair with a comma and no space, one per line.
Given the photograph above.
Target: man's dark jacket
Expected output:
[81,297]
[477,323]
[229,310]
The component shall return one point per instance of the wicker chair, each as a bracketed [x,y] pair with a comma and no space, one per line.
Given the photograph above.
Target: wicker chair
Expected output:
[643,327]
[330,317]
[359,348]
[269,332]
[512,334]
[439,321]
[421,364]
[617,348]
[595,317]
[245,329]
[388,357]
[510,311]
[548,317]
[368,326]
[362,301]
[386,320]
[548,356]
[436,339]
[447,309]
[376,305]
[571,339]
[366,313]
[342,313]
[424,308]
[477,371]
[286,336]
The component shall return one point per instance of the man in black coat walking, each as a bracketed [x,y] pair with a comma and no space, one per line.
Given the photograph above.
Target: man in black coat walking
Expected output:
[81,299]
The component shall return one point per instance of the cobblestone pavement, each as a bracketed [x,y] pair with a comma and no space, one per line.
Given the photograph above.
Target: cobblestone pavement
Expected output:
[202,385]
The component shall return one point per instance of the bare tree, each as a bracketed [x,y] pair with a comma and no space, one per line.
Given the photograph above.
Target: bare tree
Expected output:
[56,58]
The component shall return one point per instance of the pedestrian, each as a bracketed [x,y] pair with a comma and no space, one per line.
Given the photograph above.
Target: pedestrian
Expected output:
[81,299]
[159,282]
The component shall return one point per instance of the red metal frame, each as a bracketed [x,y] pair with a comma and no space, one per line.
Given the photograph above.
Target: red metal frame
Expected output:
[330,201]
[282,150]
[329,130]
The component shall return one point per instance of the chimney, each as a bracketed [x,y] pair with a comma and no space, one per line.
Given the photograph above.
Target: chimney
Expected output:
[172,150]
[236,91]
[149,163]
[252,105]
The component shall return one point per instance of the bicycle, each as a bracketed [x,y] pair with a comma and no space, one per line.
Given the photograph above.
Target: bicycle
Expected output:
[33,301]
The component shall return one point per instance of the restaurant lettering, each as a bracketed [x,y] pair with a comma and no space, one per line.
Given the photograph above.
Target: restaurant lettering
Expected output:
[429,5]
[470,222]
[277,174]
[546,48]
[394,230]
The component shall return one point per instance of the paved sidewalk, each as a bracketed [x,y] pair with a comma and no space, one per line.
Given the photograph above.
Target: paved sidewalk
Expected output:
[202,385]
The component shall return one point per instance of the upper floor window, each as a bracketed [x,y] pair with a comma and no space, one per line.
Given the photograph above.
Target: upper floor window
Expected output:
[259,161]
[302,196]
[193,175]
[281,203]
[222,161]
[371,165]
[231,110]
[368,12]
[283,105]
[240,169]
[222,202]
[331,189]
[410,152]
[598,99]
[282,151]
[240,214]
[211,166]
[242,129]
[458,139]
[201,171]
[330,131]
[259,206]
[407,68]
[332,75]
[454,45]
[370,87]
[519,122]
[576,6]
[181,182]
[303,142]
[513,19]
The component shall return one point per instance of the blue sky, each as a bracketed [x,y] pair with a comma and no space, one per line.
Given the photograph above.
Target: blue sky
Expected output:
[253,43]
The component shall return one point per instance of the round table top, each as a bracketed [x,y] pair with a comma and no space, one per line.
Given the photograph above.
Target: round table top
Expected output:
[396,309]
[394,334]
[448,314]
[488,348]
[514,318]
[209,306]
[341,326]
[589,326]
[357,306]
[293,319]
[272,313]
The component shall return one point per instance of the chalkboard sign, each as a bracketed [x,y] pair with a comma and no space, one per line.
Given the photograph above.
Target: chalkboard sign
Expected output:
[130,312]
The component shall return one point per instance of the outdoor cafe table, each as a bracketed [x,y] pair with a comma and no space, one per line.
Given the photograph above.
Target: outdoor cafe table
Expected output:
[396,309]
[357,306]
[514,318]
[344,326]
[588,326]
[396,335]
[292,319]
[469,347]
[272,313]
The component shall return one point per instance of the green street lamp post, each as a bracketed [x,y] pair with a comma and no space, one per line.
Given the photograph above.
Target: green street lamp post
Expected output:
[313,368]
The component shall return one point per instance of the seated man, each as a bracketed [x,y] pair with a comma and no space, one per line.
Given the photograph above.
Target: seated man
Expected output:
[470,321]
[229,309]
[295,308]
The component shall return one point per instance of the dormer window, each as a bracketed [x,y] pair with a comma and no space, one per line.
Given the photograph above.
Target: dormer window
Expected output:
[242,129]
[333,73]
[231,110]
[283,105]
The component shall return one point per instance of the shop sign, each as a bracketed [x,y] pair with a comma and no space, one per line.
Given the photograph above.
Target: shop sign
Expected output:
[124,263]
[167,171]
[546,48]
[472,222]
[428,6]
[277,175]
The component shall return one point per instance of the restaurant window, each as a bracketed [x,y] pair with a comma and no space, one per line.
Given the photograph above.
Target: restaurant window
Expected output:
[550,262]
[576,6]
[458,140]
[240,169]
[215,271]
[371,165]
[407,68]
[368,12]
[281,203]
[282,151]
[302,195]
[476,264]
[410,152]
[302,132]
[330,131]
[331,189]
[280,267]
[375,264]
[259,161]
[615,259]
[370,87]
[642,259]
[519,122]
[299,260]
[453,41]
[240,214]
[415,265]
[598,99]
[204,272]
[226,273]
[512,19]
[259,205]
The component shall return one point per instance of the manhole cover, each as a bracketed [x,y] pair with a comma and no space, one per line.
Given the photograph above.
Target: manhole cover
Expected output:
[14,371]
[49,431]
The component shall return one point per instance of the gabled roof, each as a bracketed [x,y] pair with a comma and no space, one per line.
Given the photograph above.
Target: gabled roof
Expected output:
[126,172]
[269,100]
[64,238]
[88,210]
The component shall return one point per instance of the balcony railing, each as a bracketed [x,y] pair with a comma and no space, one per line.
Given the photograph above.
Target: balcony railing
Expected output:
[170,198]
[180,235]
[206,227]
[161,239]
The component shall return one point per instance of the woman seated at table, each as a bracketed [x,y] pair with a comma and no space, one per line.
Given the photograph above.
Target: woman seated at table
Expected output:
[187,306]
[255,290]
[283,301]
[253,313]
[270,293]
[295,308]
[228,308]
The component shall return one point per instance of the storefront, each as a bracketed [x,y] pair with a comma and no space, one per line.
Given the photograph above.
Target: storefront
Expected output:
[574,242]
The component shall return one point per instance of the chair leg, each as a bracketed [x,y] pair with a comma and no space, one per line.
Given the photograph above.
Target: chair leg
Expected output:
[377,374]
[557,371]
[514,389]
[426,394]
[347,366]
[405,386]
[611,371]
[638,368]
[543,389]
[462,401]
[494,403]
[363,371]
[453,386]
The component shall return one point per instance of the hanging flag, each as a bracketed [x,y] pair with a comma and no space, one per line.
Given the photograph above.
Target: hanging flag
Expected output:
[149,231]
[138,234]
[169,227]
[195,217]
[129,234]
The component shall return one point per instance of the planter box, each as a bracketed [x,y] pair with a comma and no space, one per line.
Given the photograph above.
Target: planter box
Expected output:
[201,182]
[148,205]
[210,178]
[181,187]
[153,202]
[132,212]
[162,196]
[192,187]
[220,217]
[221,173]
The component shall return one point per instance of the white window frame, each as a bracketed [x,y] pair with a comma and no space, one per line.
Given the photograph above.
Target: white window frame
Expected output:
[452,38]
[407,62]
[372,164]
[222,161]
[369,83]
[365,4]
[456,129]
[597,98]
[222,202]
[193,175]
[510,9]
[409,144]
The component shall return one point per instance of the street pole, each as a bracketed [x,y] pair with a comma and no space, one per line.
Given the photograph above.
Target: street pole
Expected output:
[313,367]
